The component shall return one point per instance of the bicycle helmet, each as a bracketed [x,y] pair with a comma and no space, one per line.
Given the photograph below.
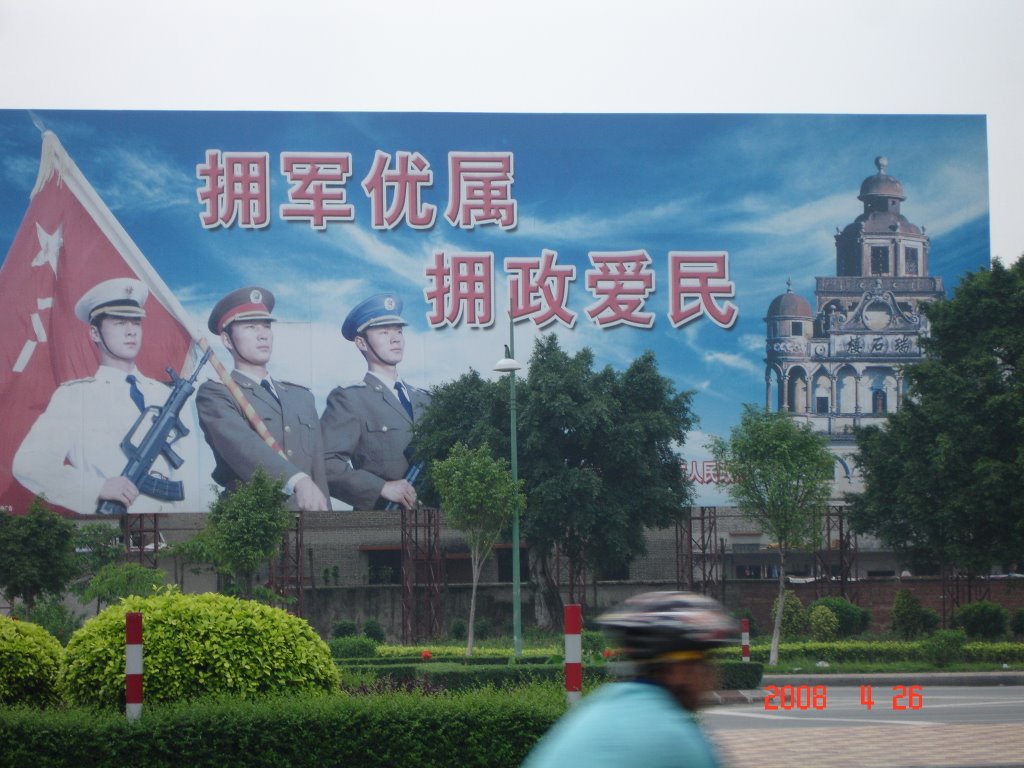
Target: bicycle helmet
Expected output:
[660,625]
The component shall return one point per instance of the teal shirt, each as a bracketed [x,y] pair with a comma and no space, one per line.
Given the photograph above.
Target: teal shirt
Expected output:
[625,724]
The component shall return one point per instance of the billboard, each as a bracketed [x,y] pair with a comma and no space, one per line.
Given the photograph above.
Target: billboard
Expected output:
[618,232]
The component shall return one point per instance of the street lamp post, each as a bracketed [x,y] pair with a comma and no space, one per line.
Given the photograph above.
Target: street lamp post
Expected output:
[508,364]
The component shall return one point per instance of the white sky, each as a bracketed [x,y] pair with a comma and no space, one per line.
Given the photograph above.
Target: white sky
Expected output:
[871,56]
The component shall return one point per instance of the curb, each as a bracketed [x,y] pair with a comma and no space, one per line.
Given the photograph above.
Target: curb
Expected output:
[881,680]
[899,678]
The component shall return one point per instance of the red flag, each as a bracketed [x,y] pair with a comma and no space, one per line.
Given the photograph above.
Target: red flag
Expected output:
[67,243]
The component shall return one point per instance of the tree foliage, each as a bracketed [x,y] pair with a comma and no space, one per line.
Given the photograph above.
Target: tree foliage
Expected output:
[479,498]
[37,554]
[597,453]
[244,530]
[118,580]
[780,478]
[944,478]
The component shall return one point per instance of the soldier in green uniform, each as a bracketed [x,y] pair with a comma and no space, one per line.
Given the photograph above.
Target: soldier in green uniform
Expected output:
[242,319]
[367,426]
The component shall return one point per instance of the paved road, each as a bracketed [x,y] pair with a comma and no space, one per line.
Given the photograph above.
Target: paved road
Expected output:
[946,726]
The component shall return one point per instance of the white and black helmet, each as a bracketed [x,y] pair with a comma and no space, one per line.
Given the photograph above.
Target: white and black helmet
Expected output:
[653,624]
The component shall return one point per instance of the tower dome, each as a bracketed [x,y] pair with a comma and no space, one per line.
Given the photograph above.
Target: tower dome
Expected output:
[789,305]
[881,184]
[881,241]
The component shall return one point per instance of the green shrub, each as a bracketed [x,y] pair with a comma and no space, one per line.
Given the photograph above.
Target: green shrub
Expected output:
[373,630]
[478,728]
[824,623]
[461,676]
[481,628]
[1007,652]
[794,617]
[344,628]
[353,647]
[983,620]
[853,620]
[945,646]
[1017,623]
[907,615]
[30,661]
[459,629]
[739,676]
[593,643]
[930,620]
[51,614]
[197,645]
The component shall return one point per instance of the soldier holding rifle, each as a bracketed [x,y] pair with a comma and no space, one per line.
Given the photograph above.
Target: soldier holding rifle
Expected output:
[73,454]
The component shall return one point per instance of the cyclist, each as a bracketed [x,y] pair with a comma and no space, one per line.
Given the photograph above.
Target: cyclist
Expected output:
[648,719]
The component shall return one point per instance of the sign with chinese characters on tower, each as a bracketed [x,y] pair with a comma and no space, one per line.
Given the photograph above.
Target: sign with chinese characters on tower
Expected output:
[621,233]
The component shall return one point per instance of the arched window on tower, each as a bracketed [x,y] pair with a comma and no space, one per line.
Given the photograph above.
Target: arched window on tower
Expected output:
[879,402]
[910,261]
[880,260]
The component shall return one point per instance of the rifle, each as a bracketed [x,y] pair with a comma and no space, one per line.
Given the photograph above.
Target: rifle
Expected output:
[411,475]
[165,430]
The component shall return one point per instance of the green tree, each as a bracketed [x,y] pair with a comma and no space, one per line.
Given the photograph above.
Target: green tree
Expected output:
[96,545]
[944,478]
[781,475]
[597,454]
[479,498]
[118,580]
[244,530]
[37,554]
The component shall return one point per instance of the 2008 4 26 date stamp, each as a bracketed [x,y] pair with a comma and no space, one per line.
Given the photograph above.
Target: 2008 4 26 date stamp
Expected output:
[808,697]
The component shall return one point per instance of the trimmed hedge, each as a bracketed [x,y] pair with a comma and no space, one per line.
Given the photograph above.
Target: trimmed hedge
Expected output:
[462,677]
[384,661]
[876,651]
[30,663]
[481,728]
[196,646]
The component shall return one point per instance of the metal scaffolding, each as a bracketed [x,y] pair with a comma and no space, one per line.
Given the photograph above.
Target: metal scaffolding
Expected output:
[698,554]
[142,539]
[836,561]
[421,574]
[287,571]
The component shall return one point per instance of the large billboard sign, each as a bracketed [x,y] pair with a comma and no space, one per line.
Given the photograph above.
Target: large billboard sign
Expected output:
[134,239]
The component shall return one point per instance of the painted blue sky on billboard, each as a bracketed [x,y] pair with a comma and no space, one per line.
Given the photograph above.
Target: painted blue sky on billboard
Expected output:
[770,190]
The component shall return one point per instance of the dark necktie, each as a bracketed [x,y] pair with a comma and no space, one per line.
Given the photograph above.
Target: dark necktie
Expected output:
[266,385]
[136,394]
[403,398]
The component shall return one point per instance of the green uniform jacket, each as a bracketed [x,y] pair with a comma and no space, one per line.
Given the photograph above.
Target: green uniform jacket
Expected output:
[366,432]
[239,450]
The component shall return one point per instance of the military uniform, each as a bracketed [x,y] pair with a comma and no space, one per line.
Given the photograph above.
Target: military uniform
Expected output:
[289,412]
[366,431]
[239,450]
[75,444]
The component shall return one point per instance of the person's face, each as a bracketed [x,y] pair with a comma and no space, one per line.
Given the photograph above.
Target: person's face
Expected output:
[119,338]
[250,340]
[387,342]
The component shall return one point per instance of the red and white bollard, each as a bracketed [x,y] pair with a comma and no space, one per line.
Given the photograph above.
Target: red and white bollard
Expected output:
[745,638]
[573,616]
[133,665]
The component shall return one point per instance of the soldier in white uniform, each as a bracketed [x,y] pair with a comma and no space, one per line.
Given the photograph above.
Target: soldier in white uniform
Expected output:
[72,455]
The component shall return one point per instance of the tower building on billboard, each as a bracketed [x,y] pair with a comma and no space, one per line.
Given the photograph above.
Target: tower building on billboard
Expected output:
[840,364]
